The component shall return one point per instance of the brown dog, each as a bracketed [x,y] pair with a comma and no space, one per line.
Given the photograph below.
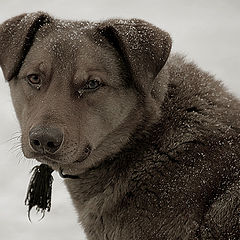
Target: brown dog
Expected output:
[154,140]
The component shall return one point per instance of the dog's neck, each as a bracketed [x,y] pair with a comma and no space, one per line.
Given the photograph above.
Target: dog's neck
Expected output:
[109,181]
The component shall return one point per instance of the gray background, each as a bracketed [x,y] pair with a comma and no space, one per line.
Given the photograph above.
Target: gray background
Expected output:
[208,32]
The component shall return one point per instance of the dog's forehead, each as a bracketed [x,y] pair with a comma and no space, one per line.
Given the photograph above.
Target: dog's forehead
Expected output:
[70,45]
[66,38]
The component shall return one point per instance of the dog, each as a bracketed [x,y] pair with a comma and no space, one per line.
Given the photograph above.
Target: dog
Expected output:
[153,140]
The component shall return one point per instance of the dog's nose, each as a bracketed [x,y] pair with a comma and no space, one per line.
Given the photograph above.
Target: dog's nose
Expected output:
[45,139]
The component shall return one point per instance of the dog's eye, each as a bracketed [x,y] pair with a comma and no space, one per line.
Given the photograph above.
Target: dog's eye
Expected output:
[93,84]
[34,79]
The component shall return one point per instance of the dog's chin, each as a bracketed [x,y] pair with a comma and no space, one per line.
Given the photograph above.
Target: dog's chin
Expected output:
[61,163]
[67,167]
[48,161]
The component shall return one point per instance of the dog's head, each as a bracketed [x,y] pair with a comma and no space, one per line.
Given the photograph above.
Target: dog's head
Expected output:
[80,89]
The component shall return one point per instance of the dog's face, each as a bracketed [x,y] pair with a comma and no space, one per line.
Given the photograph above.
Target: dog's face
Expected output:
[79,89]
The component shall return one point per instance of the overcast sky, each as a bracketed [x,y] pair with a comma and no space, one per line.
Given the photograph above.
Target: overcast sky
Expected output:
[208,32]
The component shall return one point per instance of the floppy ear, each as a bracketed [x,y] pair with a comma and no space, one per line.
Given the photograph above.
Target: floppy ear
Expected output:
[16,38]
[144,47]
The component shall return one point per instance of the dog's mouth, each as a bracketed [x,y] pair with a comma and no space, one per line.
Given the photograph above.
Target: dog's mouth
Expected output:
[63,164]
[64,170]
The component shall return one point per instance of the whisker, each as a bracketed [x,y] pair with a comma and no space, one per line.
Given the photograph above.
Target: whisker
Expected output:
[13,138]
[15,147]
[20,158]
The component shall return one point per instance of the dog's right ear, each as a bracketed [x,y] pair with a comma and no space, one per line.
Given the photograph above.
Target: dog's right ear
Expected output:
[16,38]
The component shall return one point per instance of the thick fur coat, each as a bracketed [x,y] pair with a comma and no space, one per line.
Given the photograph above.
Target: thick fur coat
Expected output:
[166,165]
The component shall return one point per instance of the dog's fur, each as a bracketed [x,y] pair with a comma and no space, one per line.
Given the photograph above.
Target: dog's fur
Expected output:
[165,135]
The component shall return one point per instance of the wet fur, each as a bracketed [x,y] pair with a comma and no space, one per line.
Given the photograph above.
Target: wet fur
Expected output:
[173,171]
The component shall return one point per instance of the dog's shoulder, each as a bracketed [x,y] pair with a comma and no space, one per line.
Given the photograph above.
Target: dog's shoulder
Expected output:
[191,89]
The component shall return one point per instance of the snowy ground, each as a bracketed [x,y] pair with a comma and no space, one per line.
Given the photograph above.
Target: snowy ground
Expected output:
[208,32]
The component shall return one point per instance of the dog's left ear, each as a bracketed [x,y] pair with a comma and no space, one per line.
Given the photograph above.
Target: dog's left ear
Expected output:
[16,38]
[144,47]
